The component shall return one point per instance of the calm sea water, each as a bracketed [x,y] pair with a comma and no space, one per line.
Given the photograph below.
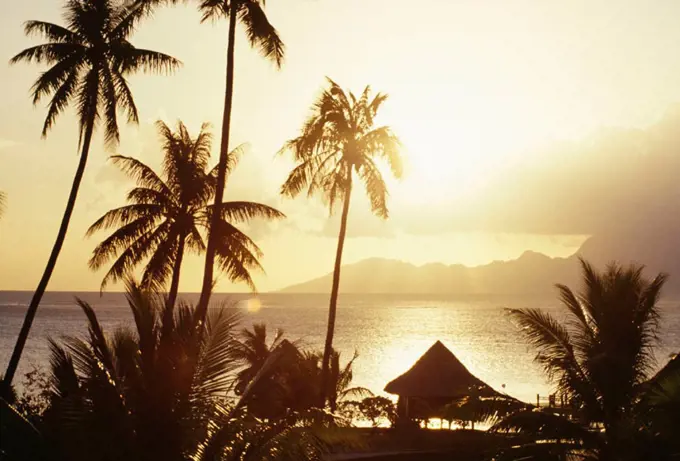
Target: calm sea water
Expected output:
[389,332]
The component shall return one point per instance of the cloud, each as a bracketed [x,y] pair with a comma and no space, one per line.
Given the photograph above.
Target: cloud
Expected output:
[619,179]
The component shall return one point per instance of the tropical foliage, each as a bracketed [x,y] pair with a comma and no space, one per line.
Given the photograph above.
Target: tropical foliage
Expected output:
[160,391]
[89,60]
[375,409]
[599,358]
[292,384]
[261,34]
[168,213]
[474,408]
[337,142]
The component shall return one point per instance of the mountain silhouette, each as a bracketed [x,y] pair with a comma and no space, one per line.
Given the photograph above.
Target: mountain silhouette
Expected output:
[531,273]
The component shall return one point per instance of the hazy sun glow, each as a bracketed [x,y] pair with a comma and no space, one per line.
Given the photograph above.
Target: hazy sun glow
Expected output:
[474,91]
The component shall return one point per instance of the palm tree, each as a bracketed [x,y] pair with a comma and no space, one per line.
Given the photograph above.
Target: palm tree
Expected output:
[260,34]
[158,392]
[89,61]
[338,141]
[254,350]
[167,212]
[341,388]
[601,354]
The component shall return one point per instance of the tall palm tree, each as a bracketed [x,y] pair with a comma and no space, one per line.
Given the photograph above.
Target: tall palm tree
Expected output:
[166,214]
[260,34]
[602,353]
[339,141]
[89,58]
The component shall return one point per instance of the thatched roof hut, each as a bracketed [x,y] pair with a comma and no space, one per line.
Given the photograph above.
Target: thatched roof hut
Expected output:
[436,379]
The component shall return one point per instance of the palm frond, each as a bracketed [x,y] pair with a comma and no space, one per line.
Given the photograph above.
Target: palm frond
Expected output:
[375,186]
[220,355]
[162,262]
[554,351]
[133,252]
[48,53]
[60,100]
[381,142]
[212,10]
[236,212]
[52,32]
[141,173]
[110,103]
[137,59]
[260,32]
[63,72]
[545,425]
[124,215]
[121,239]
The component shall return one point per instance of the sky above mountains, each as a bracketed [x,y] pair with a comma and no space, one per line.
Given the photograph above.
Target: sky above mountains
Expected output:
[526,126]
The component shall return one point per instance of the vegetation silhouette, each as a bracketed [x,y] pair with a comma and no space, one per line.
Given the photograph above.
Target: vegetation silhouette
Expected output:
[160,391]
[261,34]
[293,384]
[340,140]
[599,357]
[168,213]
[89,58]
[254,350]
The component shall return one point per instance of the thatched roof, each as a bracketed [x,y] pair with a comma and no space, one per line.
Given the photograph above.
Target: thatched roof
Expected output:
[438,373]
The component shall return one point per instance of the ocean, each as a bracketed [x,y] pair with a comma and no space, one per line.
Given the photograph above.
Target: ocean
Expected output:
[390,332]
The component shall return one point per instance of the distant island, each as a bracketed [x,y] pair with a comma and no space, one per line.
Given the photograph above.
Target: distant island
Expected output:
[530,273]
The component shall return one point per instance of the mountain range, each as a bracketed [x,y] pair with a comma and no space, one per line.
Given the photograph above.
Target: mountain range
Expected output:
[531,273]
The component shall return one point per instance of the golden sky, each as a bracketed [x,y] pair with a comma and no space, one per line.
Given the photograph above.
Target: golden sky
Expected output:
[479,91]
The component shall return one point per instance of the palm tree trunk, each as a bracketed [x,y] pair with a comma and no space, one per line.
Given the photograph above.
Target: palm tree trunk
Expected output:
[328,348]
[51,262]
[174,284]
[206,289]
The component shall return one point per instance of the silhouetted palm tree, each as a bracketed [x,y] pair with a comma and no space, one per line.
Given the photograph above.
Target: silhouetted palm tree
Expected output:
[338,141]
[601,354]
[254,350]
[89,61]
[341,388]
[163,215]
[166,214]
[260,34]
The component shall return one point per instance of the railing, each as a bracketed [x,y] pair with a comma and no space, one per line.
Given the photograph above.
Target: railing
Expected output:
[551,401]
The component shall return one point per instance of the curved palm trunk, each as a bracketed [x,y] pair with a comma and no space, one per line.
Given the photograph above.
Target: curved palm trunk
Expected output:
[174,284]
[51,262]
[206,289]
[332,309]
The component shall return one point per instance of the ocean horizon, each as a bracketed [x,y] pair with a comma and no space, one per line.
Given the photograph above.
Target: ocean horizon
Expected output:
[389,332]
